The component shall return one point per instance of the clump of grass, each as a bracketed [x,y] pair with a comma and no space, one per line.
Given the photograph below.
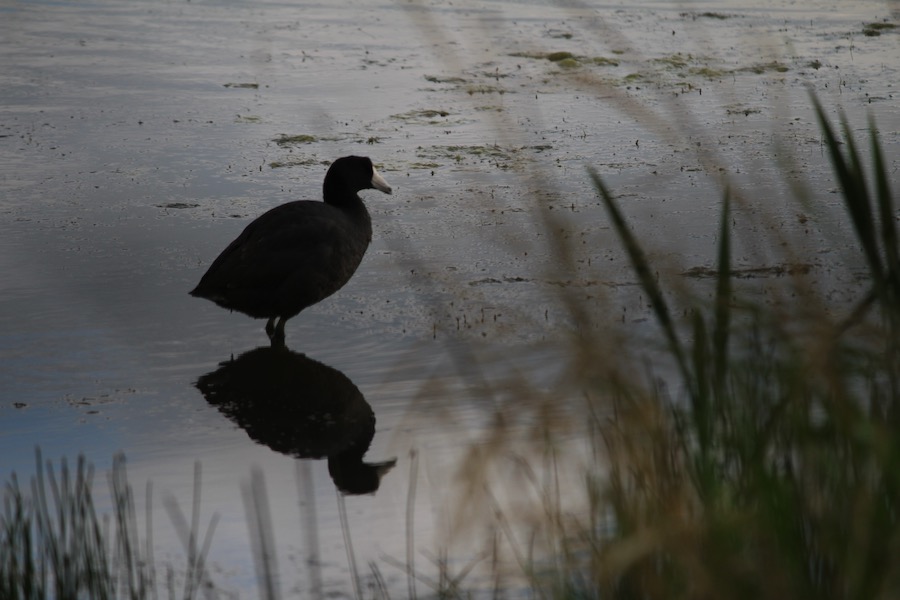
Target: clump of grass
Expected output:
[52,542]
[778,477]
[768,465]
[55,544]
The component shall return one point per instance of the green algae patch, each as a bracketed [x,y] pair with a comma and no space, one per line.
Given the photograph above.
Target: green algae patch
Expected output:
[568,63]
[877,28]
[555,57]
[705,15]
[459,154]
[761,68]
[441,79]
[568,60]
[707,72]
[560,56]
[292,140]
[532,55]
[485,89]
[779,270]
[674,61]
[430,114]
[423,117]
[502,157]
[477,150]
[738,109]
[603,61]
[297,162]
[178,205]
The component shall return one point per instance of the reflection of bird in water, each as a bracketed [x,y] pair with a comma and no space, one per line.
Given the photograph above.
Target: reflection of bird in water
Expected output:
[298,253]
[302,408]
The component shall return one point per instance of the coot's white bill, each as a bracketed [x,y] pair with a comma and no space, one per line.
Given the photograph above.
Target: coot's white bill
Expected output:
[379,183]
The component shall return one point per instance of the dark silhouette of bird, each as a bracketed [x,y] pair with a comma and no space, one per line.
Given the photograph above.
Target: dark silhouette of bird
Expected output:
[302,408]
[298,253]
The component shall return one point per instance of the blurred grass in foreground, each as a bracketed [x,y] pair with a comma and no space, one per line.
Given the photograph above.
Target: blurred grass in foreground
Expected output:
[54,543]
[772,470]
[757,455]
[778,476]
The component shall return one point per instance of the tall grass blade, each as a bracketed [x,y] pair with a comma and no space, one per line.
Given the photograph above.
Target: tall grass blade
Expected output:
[855,191]
[196,576]
[150,565]
[722,325]
[259,520]
[886,215]
[641,268]
[348,544]
[310,522]
[410,523]
[701,410]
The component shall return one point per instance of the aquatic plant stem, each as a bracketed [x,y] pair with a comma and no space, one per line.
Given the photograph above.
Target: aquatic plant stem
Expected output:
[348,544]
[410,523]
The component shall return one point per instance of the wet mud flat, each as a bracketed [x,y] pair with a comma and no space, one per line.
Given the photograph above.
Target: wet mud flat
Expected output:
[137,138]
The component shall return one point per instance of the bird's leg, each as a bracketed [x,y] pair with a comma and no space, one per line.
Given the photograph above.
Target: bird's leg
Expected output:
[276,333]
[279,329]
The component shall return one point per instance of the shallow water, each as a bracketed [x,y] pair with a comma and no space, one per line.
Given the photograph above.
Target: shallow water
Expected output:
[137,138]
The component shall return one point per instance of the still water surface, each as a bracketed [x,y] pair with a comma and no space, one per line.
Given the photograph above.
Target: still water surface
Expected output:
[138,138]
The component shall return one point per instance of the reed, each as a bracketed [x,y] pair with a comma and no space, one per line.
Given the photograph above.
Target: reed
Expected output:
[55,544]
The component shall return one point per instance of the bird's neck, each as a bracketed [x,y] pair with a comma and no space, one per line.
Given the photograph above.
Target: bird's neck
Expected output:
[337,194]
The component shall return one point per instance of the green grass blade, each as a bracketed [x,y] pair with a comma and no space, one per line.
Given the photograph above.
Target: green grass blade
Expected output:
[641,267]
[722,324]
[885,212]
[855,192]
[861,201]
[700,406]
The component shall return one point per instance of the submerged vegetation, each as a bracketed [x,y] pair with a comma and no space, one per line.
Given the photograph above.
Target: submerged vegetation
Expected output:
[877,28]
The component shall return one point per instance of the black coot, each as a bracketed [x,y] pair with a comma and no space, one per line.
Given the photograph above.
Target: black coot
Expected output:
[298,253]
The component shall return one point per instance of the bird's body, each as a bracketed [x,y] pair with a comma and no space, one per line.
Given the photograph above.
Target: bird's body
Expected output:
[298,253]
